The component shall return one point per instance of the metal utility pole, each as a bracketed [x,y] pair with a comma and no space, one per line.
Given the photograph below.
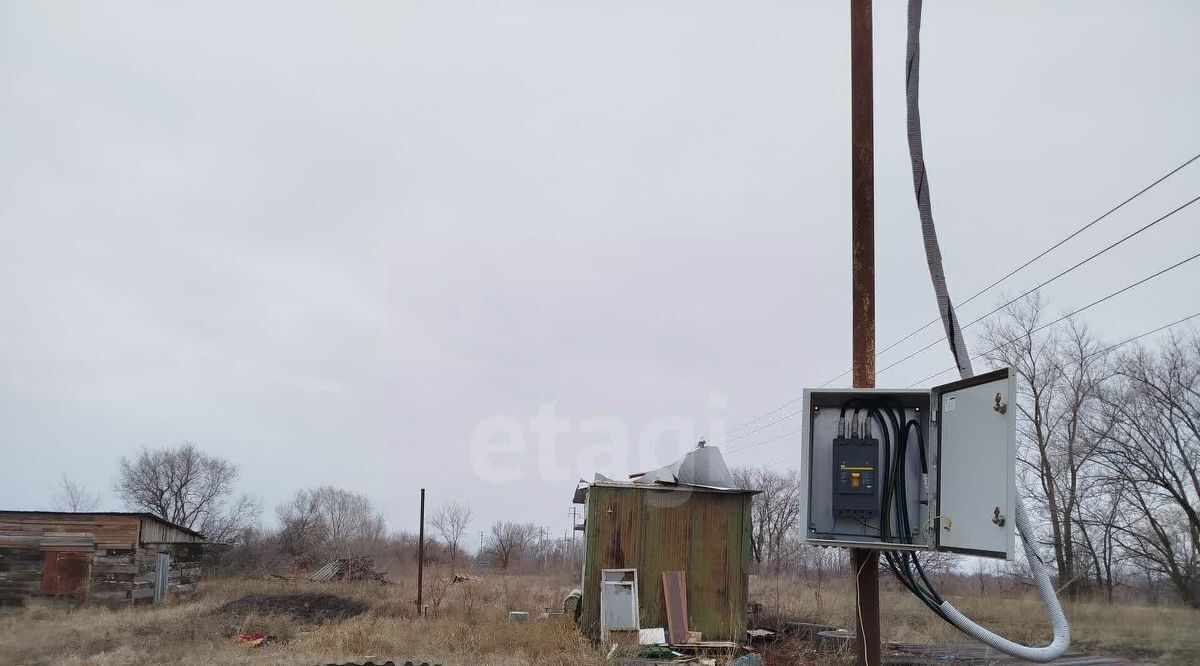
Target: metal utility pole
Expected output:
[421,554]
[865,562]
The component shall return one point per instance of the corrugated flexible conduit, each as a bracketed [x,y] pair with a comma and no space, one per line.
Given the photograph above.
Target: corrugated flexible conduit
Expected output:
[1062,631]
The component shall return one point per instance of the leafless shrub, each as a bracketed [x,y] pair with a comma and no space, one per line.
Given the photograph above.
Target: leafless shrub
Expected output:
[450,523]
[67,495]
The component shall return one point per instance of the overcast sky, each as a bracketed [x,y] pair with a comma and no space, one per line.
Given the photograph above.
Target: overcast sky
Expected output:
[333,242]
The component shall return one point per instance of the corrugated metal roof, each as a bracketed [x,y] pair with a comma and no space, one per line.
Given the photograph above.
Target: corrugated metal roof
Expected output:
[327,572]
[700,470]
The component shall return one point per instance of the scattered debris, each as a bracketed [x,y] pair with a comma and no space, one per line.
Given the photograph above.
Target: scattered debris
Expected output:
[358,567]
[694,636]
[463,578]
[253,638]
[760,634]
[833,640]
[661,652]
[807,631]
[656,636]
[571,604]
[751,659]
[311,608]
[518,616]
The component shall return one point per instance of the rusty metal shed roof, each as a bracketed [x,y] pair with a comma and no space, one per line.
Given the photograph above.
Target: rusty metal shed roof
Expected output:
[140,514]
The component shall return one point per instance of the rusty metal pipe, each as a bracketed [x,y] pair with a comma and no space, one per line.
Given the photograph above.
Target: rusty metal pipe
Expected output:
[865,563]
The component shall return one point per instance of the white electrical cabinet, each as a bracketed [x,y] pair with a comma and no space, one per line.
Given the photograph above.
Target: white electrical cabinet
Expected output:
[905,469]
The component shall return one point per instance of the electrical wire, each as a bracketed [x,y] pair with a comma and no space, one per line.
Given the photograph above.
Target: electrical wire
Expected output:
[727,439]
[767,414]
[1030,261]
[1099,353]
[990,351]
[1042,284]
[1067,316]
[765,441]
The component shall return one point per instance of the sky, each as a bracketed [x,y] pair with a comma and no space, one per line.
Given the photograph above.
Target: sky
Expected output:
[487,248]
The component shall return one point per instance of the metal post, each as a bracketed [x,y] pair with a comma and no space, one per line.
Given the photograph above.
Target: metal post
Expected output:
[865,563]
[421,554]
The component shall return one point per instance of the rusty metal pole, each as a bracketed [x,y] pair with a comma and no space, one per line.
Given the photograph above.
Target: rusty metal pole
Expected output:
[865,563]
[421,554]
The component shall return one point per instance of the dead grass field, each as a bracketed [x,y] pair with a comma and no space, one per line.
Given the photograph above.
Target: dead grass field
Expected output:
[1165,635]
[472,628]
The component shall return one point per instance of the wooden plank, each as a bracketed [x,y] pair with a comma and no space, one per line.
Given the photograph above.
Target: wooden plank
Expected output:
[115,569]
[675,595]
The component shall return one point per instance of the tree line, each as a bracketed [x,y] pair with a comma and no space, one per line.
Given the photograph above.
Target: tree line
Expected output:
[194,489]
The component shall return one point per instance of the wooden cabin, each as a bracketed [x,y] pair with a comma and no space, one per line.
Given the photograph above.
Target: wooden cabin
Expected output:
[108,558]
[635,532]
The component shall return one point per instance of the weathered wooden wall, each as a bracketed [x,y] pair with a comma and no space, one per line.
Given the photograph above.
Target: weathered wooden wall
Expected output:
[705,534]
[155,531]
[122,566]
[107,530]
[20,574]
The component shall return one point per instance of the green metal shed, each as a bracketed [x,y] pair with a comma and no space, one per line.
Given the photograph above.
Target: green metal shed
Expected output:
[657,527]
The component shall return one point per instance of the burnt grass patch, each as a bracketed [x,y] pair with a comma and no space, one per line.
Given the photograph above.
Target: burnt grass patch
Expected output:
[306,608]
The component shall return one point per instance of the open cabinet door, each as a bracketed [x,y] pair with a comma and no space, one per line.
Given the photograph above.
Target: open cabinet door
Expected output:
[977,465]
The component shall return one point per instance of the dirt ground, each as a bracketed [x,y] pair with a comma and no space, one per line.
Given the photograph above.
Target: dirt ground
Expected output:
[317,623]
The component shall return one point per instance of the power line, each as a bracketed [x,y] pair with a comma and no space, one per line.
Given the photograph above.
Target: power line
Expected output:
[979,293]
[1025,265]
[765,441]
[1099,353]
[727,439]
[773,411]
[978,356]
[1043,284]
[780,462]
[1150,332]
[1102,351]
[1068,315]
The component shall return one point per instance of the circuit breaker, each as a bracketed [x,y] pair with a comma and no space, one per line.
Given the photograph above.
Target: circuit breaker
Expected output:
[913,469]
[855,478]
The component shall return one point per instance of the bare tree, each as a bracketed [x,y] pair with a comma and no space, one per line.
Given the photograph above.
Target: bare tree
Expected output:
[327,521]
[301,531]
[348,516]
[1102,516]
[775,512]
[507,541]
[1059,378]
[187,487]
[1152,444]
[68,495]
[231,520]
[450,523]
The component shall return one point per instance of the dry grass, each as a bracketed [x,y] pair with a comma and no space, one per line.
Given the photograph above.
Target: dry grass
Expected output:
[471,626]
[1167,635]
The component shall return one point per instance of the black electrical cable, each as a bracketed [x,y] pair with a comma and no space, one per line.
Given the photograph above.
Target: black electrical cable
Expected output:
[895,431]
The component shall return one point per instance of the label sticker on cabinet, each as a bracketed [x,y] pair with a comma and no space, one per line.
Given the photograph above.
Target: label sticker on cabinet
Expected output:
[950,404]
